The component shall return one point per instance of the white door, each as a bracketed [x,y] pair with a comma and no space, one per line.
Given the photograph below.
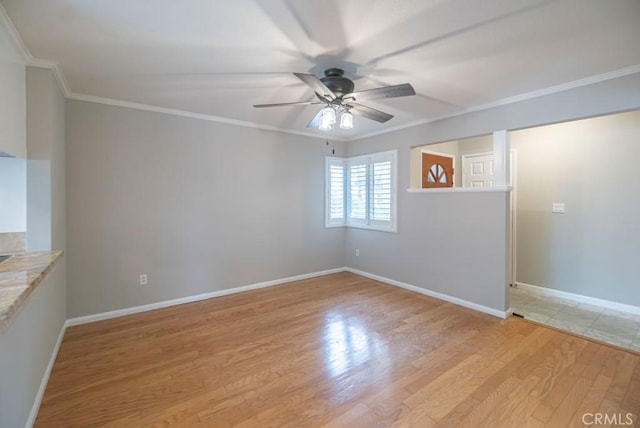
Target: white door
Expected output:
[477,170]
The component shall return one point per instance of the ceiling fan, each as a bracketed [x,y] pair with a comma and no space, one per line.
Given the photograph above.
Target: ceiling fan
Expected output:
[336,93]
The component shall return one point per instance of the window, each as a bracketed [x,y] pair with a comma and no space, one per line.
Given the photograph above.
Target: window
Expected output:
[361,191]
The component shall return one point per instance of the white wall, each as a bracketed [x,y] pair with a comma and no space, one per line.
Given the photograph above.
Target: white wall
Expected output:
[592,166]
[13,195]
[198,206]
[12,95]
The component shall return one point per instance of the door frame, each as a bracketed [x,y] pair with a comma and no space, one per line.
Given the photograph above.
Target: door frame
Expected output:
[513,207]
[446,155]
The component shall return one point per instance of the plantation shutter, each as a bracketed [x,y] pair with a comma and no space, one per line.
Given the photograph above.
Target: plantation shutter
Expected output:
[358,192]
[335,198]
[361,191]
[380,195]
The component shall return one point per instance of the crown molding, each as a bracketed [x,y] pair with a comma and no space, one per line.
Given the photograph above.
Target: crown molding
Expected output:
[517,98]
[191,115]
[29,60]
[56,68]
[57,72]
[498,103]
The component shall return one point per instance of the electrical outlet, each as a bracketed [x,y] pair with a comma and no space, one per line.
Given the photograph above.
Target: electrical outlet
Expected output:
[357,252]
[144,279]
[557,208]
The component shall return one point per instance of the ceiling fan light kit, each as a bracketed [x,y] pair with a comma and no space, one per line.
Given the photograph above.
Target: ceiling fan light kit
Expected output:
[328,118]
[346,120]
[336,92]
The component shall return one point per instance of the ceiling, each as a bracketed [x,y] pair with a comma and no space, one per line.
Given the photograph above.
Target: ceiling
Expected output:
[218,58]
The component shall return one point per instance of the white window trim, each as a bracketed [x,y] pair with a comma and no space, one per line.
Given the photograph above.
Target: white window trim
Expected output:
[392,226]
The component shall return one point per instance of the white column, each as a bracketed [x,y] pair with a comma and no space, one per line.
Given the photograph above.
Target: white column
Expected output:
[501,164]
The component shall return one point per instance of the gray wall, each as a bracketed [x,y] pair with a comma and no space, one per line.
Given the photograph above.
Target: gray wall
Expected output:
[198,206]
[592,166]
[430,216]
[602,98]
[451,243]
[28,343]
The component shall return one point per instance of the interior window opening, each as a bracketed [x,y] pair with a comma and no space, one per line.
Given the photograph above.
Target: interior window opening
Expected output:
[459,163]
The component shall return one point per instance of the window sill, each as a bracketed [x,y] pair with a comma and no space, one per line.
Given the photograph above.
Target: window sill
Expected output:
[463,190]
[364,227]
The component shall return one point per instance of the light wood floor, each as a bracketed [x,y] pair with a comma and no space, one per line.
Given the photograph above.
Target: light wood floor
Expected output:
[341,351]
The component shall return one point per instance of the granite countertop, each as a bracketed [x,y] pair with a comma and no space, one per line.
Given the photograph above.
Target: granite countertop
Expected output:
[19,276]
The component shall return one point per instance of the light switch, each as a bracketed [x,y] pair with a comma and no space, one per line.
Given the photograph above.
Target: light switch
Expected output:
[558,208]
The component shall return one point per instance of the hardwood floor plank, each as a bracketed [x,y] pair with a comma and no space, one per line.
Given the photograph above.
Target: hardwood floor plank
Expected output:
[568,377]
[360,414]
[567,409]
[621,384]
[631,400]
[417,417]
[486,406]
[516,409]
[592,401]
[339,350]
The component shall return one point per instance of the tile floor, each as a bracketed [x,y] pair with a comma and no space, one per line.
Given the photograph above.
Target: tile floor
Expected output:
[607,325]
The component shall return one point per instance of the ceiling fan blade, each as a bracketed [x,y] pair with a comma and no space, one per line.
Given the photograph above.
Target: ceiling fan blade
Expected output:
[369,113]
[394,91]
[301,103]
[317,85]
[315,122]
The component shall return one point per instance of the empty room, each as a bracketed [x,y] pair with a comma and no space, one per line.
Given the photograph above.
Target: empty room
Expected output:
[307,213]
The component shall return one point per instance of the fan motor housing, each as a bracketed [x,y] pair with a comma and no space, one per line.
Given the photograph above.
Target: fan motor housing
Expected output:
[334,79]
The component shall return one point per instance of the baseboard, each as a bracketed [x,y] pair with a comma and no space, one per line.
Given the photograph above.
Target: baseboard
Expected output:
[189,299]
[182,300]
[607,304]
[45,379]
[435,294]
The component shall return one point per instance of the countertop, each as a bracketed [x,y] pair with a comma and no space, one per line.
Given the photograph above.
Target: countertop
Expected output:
[19,276]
